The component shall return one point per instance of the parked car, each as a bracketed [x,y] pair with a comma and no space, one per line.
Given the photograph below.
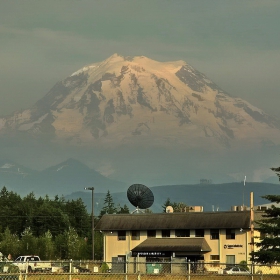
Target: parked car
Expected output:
[236,270]
[32,263]
[76,268]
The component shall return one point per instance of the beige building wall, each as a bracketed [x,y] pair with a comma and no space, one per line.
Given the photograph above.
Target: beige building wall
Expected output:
[114,247]
[239,247]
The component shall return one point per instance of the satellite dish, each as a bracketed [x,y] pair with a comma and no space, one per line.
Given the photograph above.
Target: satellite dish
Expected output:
[140,196]
[169,209]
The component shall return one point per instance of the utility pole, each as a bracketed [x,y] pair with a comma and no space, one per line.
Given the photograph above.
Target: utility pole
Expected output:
[92,218]
[252,218]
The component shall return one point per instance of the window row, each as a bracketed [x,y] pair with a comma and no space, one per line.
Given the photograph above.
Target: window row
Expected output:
[214,233]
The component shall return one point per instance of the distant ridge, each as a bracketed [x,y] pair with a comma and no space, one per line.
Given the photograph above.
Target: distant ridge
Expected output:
[220,197]
[61,179]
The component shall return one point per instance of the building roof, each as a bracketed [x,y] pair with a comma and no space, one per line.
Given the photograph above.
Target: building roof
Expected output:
[189,220]
[197,244]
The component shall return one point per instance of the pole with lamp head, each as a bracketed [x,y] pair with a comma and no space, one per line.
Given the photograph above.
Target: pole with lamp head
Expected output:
[92,219]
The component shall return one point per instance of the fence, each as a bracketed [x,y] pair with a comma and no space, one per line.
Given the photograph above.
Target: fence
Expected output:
[88,270]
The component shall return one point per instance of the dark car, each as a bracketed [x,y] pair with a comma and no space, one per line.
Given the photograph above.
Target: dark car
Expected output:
[76,268]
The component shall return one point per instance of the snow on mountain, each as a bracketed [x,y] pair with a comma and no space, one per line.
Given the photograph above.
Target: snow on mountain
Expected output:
[124,100]
[137,119]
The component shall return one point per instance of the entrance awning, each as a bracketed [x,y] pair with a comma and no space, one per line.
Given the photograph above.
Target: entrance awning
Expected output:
[188,245]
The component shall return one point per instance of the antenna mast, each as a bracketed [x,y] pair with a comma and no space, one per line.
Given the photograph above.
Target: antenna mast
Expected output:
[243,192]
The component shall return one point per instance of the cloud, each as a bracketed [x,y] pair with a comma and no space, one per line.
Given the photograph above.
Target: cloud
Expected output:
[232,43]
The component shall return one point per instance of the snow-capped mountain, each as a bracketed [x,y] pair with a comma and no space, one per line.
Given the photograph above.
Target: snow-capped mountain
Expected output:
[129,100]
[135,119]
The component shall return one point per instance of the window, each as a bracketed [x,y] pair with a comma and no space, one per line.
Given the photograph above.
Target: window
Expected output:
[230,234]
[121,235]
[214,234]
[165,233]
[121,258]
[230,259]
[135,235]
[182,232]
[215,260]
[151,233]
[33,259]
[199,233]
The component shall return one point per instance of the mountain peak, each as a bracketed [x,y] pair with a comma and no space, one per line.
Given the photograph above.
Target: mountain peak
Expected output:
[139,101]
[115,58]
[135,117]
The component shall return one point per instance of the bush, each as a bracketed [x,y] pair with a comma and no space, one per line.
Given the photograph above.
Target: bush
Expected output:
[104,268]
[243,264]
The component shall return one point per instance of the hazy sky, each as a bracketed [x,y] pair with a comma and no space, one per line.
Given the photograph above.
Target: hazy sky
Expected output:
[235,43]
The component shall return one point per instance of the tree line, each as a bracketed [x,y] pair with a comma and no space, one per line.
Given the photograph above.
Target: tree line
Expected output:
[51,228]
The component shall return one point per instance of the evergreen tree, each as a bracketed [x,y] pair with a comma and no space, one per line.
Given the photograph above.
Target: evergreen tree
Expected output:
[9,244]
[166,203]
[277,171]
[61,246]
[98,245]
[123,210]
[28,243]
[109,205]
[177,206]
[46,246]
[73,243]
[269,227]
[50,228]
[10,211]
[78,216]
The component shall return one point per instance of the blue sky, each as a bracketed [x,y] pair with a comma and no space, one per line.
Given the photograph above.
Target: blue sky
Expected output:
[235,43]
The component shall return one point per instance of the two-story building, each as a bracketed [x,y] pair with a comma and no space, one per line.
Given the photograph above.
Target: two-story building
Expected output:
[212,237]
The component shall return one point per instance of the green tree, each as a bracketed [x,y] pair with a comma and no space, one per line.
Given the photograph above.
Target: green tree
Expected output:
[98,245]
[73,243]
[166,203]
[50,218]
[46,246]
[9,243]
[10,211]
[28,243]
[123,209]
[277,171]
[29,208]
[78,216]
[60,246]
[177,206]
[269,227]
[109,206]
[244,265]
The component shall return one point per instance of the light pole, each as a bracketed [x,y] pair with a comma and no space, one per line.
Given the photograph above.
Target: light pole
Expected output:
[92,219]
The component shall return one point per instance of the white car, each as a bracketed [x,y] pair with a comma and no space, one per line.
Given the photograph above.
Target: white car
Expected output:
[32,263]
[236,270]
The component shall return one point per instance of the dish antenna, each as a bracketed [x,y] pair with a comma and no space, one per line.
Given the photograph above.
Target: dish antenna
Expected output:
[140,196]
[169,209]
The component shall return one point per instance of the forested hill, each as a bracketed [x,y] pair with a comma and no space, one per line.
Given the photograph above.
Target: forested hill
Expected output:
[212,196]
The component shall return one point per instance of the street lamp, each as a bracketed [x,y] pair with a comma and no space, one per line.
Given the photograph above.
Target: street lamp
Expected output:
[92,220]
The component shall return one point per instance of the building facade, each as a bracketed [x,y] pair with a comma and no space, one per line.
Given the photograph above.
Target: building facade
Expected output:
[211,237]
